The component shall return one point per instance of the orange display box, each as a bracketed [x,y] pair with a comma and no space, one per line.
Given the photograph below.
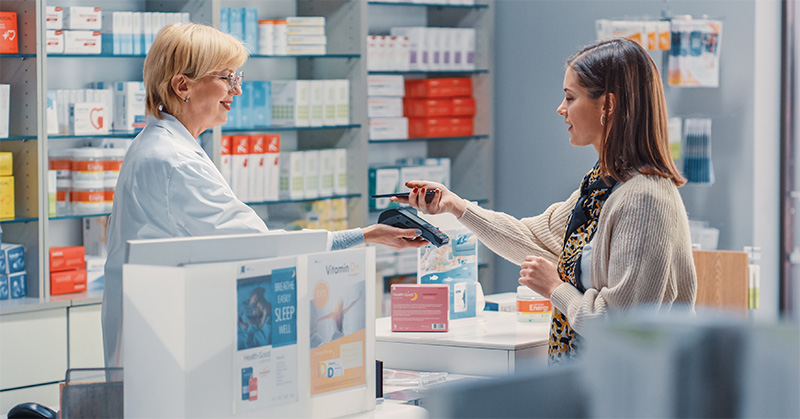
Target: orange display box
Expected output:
[446,87]
[9,37]
[416,108]
[66,258]
[67,282]
[440,127]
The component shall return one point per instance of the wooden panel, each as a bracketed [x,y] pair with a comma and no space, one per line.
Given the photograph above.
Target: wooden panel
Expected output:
[33,348]
[722,279]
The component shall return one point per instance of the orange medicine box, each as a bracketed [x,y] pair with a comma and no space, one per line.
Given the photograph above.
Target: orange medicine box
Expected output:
[446,87]
[420,308]
[428,107]
[67,282]
[463,106]
[66,258]
[9,37]
[440,127]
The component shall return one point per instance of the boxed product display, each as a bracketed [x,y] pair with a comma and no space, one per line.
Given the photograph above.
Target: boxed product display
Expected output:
[95,273]
[256,168]
[441,87]
[316,103]
[79,17]
[290,103]
[4,289]
[7,197]
[504,302]
[129,104]
[384,107]
[311,173]
[6,163]
[82,42]
[66,258]
[88,118]
[420,308]
[9,35]
[440,127]
[382,180]
[340,171]
[18,284]
[54,17]
[94,236]
[55,41]
[240,153]
[385,85]
[14,257]
[326,172]
[388,128]
[272,164]
[292,179]
[67,282]
[5,108]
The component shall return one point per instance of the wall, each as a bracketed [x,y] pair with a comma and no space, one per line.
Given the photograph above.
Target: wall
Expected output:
[536,166]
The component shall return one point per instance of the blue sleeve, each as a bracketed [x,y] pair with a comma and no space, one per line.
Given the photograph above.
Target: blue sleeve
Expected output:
[346,239]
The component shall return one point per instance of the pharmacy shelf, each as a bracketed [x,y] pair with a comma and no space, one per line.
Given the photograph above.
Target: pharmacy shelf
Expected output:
[17,55]
[447,6]
[427,72]
[78,216]
[307,56]
[288,128]
[113,134]
[405,140]
[319,198]
[18,220]
[104,55]
[19,138]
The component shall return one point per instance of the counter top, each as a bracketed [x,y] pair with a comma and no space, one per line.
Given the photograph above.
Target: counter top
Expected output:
[28,304]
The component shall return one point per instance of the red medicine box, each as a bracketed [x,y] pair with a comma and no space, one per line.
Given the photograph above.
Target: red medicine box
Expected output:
[9,37]
[446,87]
[420,308]
[67,282]
[66,258]
[440,127]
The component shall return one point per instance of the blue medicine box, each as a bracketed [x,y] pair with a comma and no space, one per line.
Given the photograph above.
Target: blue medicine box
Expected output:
[14,255]
[18,283]
[4,287]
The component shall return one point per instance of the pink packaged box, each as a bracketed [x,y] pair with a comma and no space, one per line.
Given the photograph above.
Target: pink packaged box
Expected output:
[420,308]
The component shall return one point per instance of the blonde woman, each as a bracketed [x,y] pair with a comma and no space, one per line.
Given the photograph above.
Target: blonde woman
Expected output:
[621,240]
[168,187]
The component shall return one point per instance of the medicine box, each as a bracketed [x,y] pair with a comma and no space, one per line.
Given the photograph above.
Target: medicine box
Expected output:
[385,85]
[256,168]
[383,180]
[5,108]
[504,302]
[342,102]
[66,258]
[67,282]
[6,163]
[82,42]
[305,21]
[420,308]
[326,172]
[14,255]
[95,273]
[316,102]
[384,107]
[225,157]
[54,17]
[440,127]
[340,171]
[307,39]
[442,87]
[305,50]
[305,30]
[329,105]
[94,236]
[4,289]
[129,104]
[292,180]
[18,285]
[311,173]
[88,118]
[6,196]
[388,128]
[78,17]
[240,175]
[9,34]
[55,41]
[272,162]
[290,103]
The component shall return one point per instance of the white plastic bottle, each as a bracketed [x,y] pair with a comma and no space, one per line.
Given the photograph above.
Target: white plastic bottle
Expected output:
[532,307]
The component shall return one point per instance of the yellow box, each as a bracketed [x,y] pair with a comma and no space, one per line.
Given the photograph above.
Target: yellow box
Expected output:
[6,164]
[6,196]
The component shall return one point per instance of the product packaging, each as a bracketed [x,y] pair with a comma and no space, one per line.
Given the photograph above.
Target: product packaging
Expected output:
[292,179]
[14,256]
[6,196]
[340,171]
[290,103]
[9,34]
[86,18]
[383,180]
[420,308]
[18,284]
[82,42]
[67,282]
[66,258]
[6,163]
[256,168]
[94,236]
[385,85]
[5,109]
[240,175]
[54,17]
[326,172]
[384,107]
[272,159]
[55,41]
[388,128]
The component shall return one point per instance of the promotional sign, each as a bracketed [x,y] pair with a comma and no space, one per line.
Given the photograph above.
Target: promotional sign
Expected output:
[337,290]
[266,334]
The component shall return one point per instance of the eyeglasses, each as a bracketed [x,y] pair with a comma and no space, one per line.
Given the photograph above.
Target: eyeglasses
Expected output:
[234,80]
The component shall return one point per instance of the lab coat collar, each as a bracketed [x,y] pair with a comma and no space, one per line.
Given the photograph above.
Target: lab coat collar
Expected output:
[174,126]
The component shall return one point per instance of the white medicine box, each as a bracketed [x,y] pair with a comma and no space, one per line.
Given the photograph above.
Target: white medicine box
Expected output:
[386,85]
[290,103]
[54,17]
[340,171]
[55,41]
[82,42]
[79,17]
[89,118]
[311,173]
[292,179]
[384,107]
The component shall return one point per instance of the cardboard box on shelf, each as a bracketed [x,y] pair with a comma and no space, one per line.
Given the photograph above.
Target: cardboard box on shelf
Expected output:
[66,258]
[6,163]
[7,197]
[9,34]
[67,282]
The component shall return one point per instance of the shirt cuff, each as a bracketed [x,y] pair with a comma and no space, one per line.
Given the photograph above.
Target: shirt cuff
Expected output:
[345,239]
[563,295]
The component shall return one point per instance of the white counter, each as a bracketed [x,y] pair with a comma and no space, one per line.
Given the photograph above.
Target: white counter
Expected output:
[492,344]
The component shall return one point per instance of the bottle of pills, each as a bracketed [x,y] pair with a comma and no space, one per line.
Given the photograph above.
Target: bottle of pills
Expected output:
[88,164]
[61,162]
[532,307]
[112,162]
[88,197]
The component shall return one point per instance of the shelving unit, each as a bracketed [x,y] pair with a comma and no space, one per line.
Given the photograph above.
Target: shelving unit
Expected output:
[472,158]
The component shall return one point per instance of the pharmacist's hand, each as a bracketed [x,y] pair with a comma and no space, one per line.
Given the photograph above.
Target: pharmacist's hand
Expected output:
[443,200]
[539,275]
[396,238]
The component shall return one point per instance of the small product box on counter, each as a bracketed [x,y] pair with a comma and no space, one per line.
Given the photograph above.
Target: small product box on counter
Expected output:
[420,308]
[14,257]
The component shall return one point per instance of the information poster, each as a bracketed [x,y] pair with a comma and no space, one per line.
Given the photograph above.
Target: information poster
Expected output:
[454,264]
[266,333]
[337,286]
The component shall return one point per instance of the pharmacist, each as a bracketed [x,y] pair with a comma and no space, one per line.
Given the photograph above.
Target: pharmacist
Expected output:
[627,208]
[168,187]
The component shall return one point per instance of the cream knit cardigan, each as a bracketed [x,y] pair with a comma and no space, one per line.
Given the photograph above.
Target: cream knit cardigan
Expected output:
[641,255]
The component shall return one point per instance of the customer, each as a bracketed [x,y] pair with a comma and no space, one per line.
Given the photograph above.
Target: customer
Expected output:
[168,187]
[622,239]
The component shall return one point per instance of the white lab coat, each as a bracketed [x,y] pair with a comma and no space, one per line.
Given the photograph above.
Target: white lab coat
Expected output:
[167,187]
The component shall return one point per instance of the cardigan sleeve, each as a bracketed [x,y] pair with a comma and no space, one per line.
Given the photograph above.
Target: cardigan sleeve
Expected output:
[514,239]
[648,260]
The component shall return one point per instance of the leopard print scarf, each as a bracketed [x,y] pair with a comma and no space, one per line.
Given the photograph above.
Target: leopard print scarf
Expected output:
[582,223]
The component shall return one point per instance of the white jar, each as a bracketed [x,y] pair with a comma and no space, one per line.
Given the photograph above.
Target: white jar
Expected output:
[532,307]
[61,162]
[88,164]
[63,187]
[108,193]
[281,39]
[266,37]
[87,197]
[112,162]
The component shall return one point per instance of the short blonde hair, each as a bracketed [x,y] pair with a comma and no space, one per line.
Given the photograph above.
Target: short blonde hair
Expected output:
[191,49]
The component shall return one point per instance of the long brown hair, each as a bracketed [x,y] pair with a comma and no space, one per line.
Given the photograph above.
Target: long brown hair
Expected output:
[635,138]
